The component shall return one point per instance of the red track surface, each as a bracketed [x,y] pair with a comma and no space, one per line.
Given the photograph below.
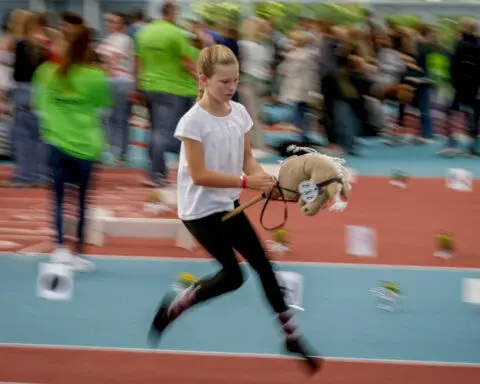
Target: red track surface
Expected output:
[83,367]
[406,222]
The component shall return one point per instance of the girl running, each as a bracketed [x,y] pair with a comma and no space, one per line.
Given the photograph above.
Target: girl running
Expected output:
[68,95]
[215,150]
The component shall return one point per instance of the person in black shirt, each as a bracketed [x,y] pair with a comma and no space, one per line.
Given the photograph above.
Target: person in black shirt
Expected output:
[465,75]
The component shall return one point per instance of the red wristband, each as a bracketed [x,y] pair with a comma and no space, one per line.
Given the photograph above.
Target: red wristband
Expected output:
[244,181]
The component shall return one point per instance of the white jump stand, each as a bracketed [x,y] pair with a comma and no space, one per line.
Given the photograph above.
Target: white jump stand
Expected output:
[101,222]
[153,228]
[149,228]
[94,225]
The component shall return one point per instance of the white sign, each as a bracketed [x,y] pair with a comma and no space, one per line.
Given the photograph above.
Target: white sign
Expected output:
[459,180]
[360,241]
[308,191]
[471,291]
[55,281]
[291,284]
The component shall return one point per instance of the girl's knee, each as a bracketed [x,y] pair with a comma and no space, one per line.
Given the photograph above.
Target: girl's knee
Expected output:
[233,278]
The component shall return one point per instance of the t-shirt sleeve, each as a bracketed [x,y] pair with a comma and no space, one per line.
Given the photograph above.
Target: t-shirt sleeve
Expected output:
[184,45]
[193,53]
[247,121]
[188,128]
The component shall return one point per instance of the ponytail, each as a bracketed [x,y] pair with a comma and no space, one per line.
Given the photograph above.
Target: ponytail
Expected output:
[76,50]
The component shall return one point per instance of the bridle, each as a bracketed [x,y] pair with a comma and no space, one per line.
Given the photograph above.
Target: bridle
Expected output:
[272,196]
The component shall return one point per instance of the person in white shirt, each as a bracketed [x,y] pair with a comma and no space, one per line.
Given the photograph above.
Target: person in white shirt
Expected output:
[215,149]
[117,53]
[257,55]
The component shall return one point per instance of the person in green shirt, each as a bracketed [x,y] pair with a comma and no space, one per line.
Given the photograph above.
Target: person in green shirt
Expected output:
[193,52]
[163,73]
[67,96]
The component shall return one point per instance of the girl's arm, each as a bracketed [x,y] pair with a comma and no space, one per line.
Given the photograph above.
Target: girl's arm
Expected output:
[206,178]
[250,164]
[200,174]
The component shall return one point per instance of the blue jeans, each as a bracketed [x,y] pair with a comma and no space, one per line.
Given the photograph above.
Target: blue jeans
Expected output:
[72,170]
[29,151]
[347,124]
[117,121]
[424,107]
[300,119]
[471,111]
[472,114]
[165,112]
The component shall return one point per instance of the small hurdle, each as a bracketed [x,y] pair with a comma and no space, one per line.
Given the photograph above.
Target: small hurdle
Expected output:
[102,223]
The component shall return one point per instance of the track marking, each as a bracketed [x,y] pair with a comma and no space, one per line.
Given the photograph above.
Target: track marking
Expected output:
[23,237]
[23,222]
[31,210]
[22,231]
[8,245]
[14,382]
[292,263]
[234,354]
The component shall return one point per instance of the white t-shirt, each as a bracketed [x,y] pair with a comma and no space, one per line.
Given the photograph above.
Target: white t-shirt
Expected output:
[118,52]
[223,140]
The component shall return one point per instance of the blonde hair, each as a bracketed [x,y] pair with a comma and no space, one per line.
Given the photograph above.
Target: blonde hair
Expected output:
[468,25]
[409,40]
[360,41]
[30,23]
[340,32]
[255,29]
[301,38]
[16,23]
[209,58]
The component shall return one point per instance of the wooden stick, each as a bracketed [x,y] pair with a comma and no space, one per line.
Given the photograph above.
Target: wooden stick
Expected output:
[244,206]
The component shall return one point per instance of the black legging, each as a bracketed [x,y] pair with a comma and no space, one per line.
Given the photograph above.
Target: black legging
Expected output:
[220,239]
[328,90]
[69,169]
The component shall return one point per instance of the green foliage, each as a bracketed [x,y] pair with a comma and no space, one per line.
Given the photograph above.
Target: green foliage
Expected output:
[446,28]
[217,12]
[287,14]
[409,21]
[340,14]
[284,14]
